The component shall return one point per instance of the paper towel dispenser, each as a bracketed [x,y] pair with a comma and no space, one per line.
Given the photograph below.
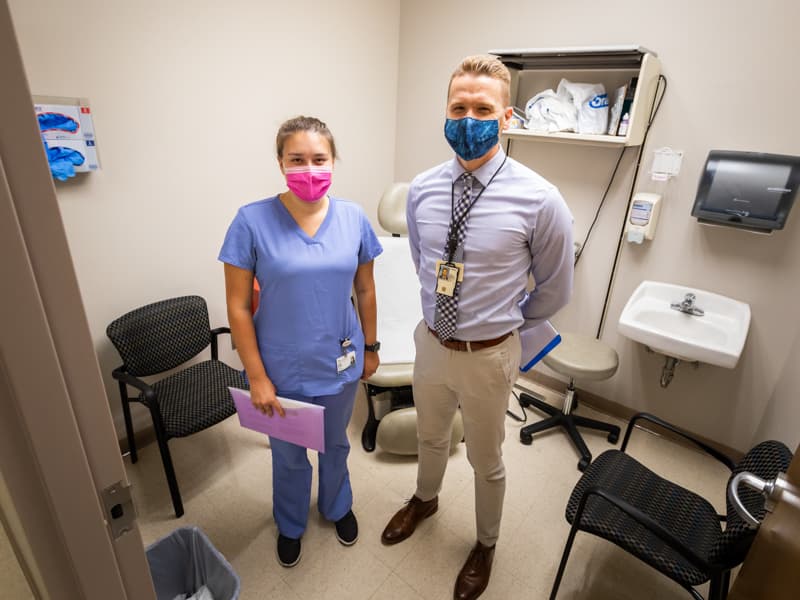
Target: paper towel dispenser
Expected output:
[750,190]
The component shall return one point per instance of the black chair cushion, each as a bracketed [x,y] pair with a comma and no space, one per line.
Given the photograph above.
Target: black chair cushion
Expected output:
[689,517]
[765,460]
[162,335]
[197,397]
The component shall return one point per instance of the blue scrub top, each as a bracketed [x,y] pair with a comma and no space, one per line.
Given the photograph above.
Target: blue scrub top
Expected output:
[305,309]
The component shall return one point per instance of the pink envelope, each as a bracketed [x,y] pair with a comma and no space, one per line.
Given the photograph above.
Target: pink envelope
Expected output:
[304,423]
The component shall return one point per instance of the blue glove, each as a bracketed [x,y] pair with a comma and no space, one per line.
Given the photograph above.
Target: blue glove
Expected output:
[56,121]
[63,161]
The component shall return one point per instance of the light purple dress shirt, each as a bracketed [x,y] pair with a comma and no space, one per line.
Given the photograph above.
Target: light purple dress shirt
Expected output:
[519,226]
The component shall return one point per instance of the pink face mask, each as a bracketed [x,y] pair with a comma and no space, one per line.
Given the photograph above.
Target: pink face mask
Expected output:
[308,183]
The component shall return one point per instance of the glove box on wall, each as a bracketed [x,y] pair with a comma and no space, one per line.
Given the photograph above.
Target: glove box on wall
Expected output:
[68,134]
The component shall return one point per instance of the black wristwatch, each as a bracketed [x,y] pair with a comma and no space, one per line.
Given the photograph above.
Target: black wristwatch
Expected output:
[372,347]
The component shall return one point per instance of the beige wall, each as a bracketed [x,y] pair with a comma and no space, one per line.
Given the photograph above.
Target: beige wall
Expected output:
[187,97]
[731,86]
[782,414]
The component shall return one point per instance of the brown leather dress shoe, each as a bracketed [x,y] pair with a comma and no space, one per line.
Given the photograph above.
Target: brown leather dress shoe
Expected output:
[474,575]
[405,520]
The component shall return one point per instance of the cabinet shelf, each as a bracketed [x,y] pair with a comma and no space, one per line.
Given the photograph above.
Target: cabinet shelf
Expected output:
[615,141]
[536,69]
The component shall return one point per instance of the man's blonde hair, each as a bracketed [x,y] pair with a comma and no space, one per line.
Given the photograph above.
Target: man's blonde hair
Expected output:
[484,64]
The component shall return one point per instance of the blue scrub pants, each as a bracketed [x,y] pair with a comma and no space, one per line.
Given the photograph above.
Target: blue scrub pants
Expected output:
[291,470]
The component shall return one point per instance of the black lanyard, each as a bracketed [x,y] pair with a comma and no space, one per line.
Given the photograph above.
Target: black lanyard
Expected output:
[452,235]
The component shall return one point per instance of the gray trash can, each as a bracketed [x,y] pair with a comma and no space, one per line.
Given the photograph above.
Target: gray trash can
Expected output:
[186,560]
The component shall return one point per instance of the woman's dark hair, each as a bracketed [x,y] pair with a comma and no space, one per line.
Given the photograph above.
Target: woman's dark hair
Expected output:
[301,123]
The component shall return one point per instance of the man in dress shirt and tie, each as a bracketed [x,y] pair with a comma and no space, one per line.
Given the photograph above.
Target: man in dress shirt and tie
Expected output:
[478,225]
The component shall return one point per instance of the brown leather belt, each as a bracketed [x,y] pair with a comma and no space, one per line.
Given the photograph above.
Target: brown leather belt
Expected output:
[452,344]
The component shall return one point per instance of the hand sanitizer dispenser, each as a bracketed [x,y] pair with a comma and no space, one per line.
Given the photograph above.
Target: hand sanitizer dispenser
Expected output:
[642,217]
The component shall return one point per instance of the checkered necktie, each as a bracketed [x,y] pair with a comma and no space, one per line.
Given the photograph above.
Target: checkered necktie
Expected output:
[447,306]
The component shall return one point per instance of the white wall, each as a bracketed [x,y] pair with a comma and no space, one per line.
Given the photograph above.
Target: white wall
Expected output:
[187,98]
[731,86]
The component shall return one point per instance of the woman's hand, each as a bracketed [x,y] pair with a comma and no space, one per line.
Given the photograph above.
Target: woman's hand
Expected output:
[262,395]
[371,363]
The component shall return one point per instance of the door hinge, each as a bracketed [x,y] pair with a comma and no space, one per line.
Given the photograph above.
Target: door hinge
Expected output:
[120,513]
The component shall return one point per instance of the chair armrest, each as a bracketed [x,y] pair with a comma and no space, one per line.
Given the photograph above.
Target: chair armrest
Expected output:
[644,520]
[214,333]
[725,460]
[120,374]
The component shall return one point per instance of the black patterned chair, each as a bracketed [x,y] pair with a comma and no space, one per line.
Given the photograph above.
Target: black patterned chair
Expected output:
[160,337]
[663,524]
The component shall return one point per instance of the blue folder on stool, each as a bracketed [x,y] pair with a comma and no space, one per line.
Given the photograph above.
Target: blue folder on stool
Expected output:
[536,342]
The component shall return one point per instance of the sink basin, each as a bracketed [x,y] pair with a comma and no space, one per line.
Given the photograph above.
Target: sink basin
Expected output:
[716,338]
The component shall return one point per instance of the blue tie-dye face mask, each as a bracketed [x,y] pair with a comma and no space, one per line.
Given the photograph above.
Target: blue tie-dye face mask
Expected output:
[471,138]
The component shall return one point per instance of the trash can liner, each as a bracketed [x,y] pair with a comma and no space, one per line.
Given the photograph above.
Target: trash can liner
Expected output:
[202,594]
[185,560]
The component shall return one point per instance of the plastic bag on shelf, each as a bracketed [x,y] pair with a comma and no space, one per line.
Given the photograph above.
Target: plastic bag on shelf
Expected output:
[548,112]
[591,102]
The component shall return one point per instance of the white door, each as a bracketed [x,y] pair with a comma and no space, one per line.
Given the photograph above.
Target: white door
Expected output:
[58,450]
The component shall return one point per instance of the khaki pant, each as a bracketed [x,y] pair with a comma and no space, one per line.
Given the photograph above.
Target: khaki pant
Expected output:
[480,382]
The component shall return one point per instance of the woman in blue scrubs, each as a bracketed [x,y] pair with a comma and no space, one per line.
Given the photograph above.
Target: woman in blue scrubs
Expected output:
[308,251]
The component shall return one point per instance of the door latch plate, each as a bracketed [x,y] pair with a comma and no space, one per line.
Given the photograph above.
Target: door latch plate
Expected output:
[120,513]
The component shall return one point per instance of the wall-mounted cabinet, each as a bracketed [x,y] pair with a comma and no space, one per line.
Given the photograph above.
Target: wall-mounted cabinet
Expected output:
[536,69]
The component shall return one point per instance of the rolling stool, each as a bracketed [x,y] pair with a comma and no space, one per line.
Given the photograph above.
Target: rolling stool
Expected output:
[577,357]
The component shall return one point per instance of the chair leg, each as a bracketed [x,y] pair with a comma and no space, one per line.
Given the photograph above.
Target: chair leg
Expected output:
[718,586]
[570,422]
[526,433]
[370,431]
[528,400]
[695,594]
[726,582]
[577,441]
[166,459]
[612,430]
[126,412]
[564,557]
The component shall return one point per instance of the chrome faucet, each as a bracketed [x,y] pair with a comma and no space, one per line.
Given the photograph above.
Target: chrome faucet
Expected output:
[687,306]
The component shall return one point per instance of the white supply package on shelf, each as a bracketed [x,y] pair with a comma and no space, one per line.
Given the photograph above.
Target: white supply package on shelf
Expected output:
[547,112]
[591,103]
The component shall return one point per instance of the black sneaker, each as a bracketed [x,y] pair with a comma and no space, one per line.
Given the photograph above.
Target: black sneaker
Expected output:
[288,551]
[347,529]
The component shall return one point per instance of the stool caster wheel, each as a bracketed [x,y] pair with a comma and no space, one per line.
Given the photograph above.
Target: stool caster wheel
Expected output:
[582,464]
[526,438]
[613,437]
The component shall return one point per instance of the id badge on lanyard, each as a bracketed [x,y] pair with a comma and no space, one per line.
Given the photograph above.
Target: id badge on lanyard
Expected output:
[347,358]
[447,275]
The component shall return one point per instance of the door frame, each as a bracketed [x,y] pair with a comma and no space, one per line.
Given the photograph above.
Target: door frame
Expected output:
[58,446]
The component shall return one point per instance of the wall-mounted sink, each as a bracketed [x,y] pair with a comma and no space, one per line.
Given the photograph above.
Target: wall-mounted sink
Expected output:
[663,317]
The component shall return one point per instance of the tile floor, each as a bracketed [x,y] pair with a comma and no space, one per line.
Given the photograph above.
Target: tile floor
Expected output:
[12,580]
[224,475]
